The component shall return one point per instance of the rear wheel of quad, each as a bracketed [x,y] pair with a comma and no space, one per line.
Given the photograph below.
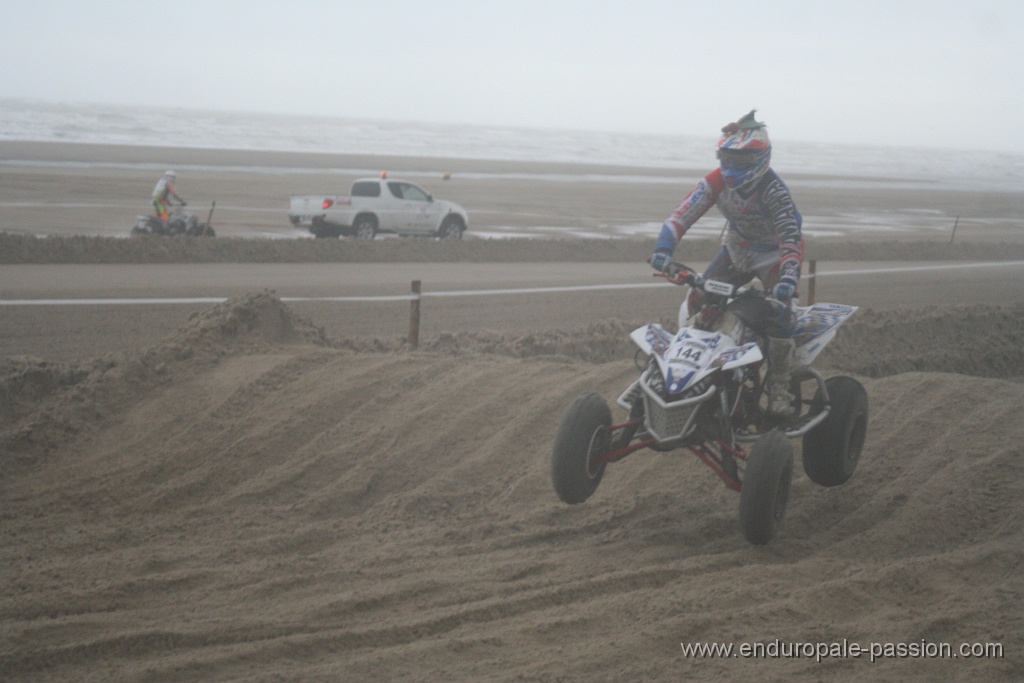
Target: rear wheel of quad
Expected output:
[765,488]
[582,439]
[832,449]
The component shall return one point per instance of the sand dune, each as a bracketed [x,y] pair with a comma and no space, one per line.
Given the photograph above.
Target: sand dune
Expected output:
[251,500]
[246,497]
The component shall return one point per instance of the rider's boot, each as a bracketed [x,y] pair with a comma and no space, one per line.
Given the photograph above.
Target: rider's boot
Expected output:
[780,366]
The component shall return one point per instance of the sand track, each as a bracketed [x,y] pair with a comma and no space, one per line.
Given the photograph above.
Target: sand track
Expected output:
[251,500]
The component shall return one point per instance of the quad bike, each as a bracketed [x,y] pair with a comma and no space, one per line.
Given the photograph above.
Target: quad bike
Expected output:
[178,223]
[703,390]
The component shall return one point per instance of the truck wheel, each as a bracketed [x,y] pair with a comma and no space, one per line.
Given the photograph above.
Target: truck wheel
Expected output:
[582,438]
[451,228]
[765,488]
[832,449]
[365,228]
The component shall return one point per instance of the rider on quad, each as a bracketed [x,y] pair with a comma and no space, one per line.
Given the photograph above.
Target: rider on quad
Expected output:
[162,193]
[763,239]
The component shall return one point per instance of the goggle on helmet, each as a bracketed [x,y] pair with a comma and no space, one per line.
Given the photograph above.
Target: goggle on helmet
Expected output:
[744,152]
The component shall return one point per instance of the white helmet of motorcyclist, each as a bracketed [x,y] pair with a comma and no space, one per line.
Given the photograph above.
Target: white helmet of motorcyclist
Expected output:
[170,175]
[744,152]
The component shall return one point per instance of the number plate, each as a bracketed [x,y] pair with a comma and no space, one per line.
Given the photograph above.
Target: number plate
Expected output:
[716,287]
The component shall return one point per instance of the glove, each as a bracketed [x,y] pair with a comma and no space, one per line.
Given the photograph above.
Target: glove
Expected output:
[661,260]
[784,291]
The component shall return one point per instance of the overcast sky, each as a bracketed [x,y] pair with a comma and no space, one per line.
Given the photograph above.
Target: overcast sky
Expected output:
[930,73]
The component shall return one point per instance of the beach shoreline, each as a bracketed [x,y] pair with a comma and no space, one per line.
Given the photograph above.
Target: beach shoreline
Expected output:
[49,188]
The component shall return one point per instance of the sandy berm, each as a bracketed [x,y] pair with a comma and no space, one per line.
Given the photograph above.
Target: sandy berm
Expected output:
[250,496]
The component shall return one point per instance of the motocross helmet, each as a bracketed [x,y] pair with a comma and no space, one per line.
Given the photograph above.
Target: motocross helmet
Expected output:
[744,152]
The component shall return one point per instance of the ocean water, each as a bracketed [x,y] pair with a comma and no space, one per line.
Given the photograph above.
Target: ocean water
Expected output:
[124,125]
[802,164]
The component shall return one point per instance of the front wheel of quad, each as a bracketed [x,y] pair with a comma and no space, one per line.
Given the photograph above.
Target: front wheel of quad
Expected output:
[582,439]
[765,489]
[832,449]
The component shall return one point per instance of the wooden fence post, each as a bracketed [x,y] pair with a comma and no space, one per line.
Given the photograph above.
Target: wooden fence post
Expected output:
[414,315]
[811,278]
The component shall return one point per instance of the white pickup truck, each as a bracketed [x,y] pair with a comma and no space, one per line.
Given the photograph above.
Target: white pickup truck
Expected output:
[379,205]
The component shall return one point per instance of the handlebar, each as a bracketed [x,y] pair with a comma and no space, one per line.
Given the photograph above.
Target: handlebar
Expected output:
[678,274]
[681,274]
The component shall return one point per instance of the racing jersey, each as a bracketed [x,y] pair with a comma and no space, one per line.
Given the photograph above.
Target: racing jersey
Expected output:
[761,218]
[164,188]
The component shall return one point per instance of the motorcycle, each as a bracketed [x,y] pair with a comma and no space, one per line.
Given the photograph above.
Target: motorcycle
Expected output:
[178,223]
[703,390]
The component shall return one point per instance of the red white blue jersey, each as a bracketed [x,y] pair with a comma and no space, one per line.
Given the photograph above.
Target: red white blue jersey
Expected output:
[763,217]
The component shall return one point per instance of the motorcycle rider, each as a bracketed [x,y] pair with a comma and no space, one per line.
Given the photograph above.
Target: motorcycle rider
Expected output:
[162,193]
[763,239]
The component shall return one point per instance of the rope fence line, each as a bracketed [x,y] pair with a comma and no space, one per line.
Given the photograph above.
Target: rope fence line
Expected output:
[417,293]
[325,299]
[809,278]
[329,299]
